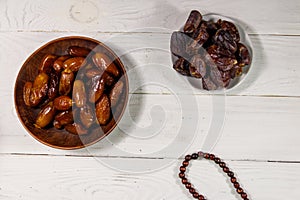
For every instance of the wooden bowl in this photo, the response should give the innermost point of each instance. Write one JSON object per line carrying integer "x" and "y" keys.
{"x": 51, "y": 136}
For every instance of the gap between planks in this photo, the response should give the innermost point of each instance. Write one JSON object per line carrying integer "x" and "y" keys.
{"x": 144, "y": 158}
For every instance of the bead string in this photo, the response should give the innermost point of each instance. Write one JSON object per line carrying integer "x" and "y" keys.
{"x": 218, "y": 161}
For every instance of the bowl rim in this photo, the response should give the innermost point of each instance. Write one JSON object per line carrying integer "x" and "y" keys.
{"x": 121, "y": 65}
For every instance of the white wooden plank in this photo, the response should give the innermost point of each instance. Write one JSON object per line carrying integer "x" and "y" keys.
{"x": 274, "y": 71}
{"x": 256, "y": 128}
{"x": 62, "y": 178}
{"x": 259, "y": 16}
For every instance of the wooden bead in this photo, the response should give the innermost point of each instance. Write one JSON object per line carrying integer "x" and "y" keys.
{"x": 201, "y": 154}
{"x": 192, "y": 190}
{"x": 194, "y": 156}
{"x": 218, "y": 161}
{"x": 239, "y": 190}
{"x": 181, "y": 175}
{"x": 206, "y": 155}
{"x": 226, "y": 169}
{"x": 222, "y": 164}
{"x": 230, "y": 174}
{"x": 184, "y": 181}
{"x": 244, "y": 195}
{"x": 187, "y": 158}
{"x": 233, "y": 179}
{"x": 196, "y": 195}
{"x": 236, "y": 185}
{"x": 188, "y": 185}
{"x": 185, "y": 163}
{"x": 182, "y": 169}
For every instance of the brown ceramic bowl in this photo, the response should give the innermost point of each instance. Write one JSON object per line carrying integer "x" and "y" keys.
{"x": 51, "y": 136}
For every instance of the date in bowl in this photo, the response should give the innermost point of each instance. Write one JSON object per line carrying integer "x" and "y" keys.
{"x": 213, "y": 51}
{"x": 71, "y": 92}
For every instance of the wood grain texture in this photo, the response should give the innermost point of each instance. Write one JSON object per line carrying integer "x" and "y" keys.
{"x": 65, "y": 178}
{"x": 259, "y": 16}
{"x": 255, "y": 128}
{"x": 274, "y": 71}
{"x": 258, "y": 138}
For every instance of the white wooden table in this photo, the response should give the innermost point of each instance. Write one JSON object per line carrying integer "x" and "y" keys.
{"x": 256, "y": 124}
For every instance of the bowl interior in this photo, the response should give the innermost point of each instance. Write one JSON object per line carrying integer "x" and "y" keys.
{"x": 52, "y": 136}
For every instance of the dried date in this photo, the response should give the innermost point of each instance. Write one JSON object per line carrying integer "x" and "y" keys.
{"x": 197, "y": 66}
{"x": 192, "y": 22}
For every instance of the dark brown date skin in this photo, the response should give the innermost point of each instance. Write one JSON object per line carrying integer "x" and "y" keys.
{"x": 39, "y": 89}
{"x": 79, "y": 94}
{"x": 53, "y": 85}
{"x": 103, "y": 110}
{"x": 63, "y": 118}
{"x": 178, "y": 44}
{"x": 87, "y": 116}
{"x": 45, "y": 116}
{"x": 225, "y": 40}
{"x": 66, "y": 82}
{"x": 93, "y": 72}
{"x": 115, "y": 93}
{"x": 192, "y": 22}
{"x": 182, "y": 66}
{"x": 199, "y": 38}
{"x": 216, "y": 77}
{"x": 201, "y": 35}
{"x": 77, "y": 51}
{"x": 76, "y": 129}
{"x": 105, "y": 64}
{"x": 236, "y": 71}
{"x": 225, "y": 77}
{"x": 62, "y": 103}
{"x": 243, "y": 55}
{"x": 47, "y": 63}
{"x": 208, "y": 84}
{"x": 58, "y": 65}
{"x": 74, "y": 64}
{"x": 97, "y": 89}
{"x": 26, "y": 93}
{"x": 197, "y": 66}
{"x": 231, "y": 28}
{"x": 225, "y": 63}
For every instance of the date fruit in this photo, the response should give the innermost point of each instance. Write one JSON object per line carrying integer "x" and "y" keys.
{"x": 77, "y": 51}
{"x": 105, "y": 64}
{"x": 209, "y": 50}
{"x": 26, "y": 93}
{"x": 87, "y": 116}
{"x": 66, "y": 82}
{"x": 63, "y": 118}
{"x": 192, "y": 22}
{"x": 58, "y": 65}
{"x": 75, "y": 92}
{"x": 45, "y": 116}
{"x": 47, "y": 63}
{"x": 79, "y": 95}
{"x": 76, "y": 129}
{"x": 39, "y": 89}
{"x": 62, "y": 103}
{"x": 103, "y": 110}
{"x": 74, "y": 63}
{"x": 115, "y": 93}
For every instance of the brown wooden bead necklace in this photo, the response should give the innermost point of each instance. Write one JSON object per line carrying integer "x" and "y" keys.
{"x": 219, "y": 162}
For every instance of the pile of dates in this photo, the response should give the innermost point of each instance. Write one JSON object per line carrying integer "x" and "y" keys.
{"x": 75, "y": 91}
{"x": 209, "y": 50}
